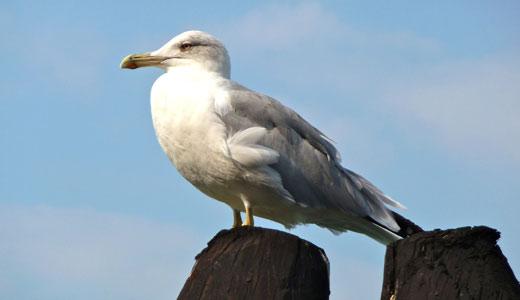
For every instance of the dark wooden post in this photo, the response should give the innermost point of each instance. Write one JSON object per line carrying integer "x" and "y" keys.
{"x": 463, "y": 263}
{"x": 258, "y": 263}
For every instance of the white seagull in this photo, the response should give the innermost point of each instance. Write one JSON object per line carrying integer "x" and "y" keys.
{"x": 250, "y": 151}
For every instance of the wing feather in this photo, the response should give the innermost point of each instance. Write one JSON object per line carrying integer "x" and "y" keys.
{"x": 306, "y": 160}
{"x": 244, "y": 148}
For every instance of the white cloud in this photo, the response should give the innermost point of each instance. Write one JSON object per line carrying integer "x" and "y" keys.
{"x": 309, "y": 25}
{"x": 110, "y": 256}
{"x": 471, "y": 107}
{"x": 282, "y": 26}
{"x": 308, "y": 49}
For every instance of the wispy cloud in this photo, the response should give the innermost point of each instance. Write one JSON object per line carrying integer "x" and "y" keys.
{"x": 308, "y": 24}
{"x": 109, "y": 256}
{"x": 281, "y": 26}
{"x": 309, "y": 49}
{"x": 471, "y": 107}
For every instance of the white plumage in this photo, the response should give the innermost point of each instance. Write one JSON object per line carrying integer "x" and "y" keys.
{"x": 251, "y": 152}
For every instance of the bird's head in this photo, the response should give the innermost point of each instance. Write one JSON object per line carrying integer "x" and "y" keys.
{"x": 188, "y": 48}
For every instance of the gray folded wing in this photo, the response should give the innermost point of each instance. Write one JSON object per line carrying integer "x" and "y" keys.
{"x": 308, "y": 164}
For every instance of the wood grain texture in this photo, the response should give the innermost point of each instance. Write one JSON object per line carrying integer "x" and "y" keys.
{"x": 258, "y": 263}
{"x": 463, "y": 263}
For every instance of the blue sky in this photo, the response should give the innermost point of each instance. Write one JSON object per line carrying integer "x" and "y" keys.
{"x": 422, "y": 99}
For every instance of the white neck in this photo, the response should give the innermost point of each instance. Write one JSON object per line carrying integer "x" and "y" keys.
{"x": 208, "y": 66}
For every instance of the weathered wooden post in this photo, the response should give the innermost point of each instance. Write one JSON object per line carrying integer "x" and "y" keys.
{"x": 463, "y": 263}
{"x": 257, "y": 263}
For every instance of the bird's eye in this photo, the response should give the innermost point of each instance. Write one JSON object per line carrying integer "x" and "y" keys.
{"x": 185, "y": 46}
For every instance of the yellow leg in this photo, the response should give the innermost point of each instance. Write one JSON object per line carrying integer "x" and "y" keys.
{"x": 237, "y": 219}
{"x": 249, "y": 217}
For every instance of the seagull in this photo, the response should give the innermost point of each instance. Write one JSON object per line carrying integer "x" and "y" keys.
{"x": 253, "y": 153}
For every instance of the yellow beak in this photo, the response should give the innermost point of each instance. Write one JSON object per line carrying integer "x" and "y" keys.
{"x": 134, "y": 61}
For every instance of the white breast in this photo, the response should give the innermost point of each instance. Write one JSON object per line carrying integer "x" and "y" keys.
{"x": 187, "y": 126}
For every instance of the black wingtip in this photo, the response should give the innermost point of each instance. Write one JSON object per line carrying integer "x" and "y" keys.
{"x": 407, "y": 227}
